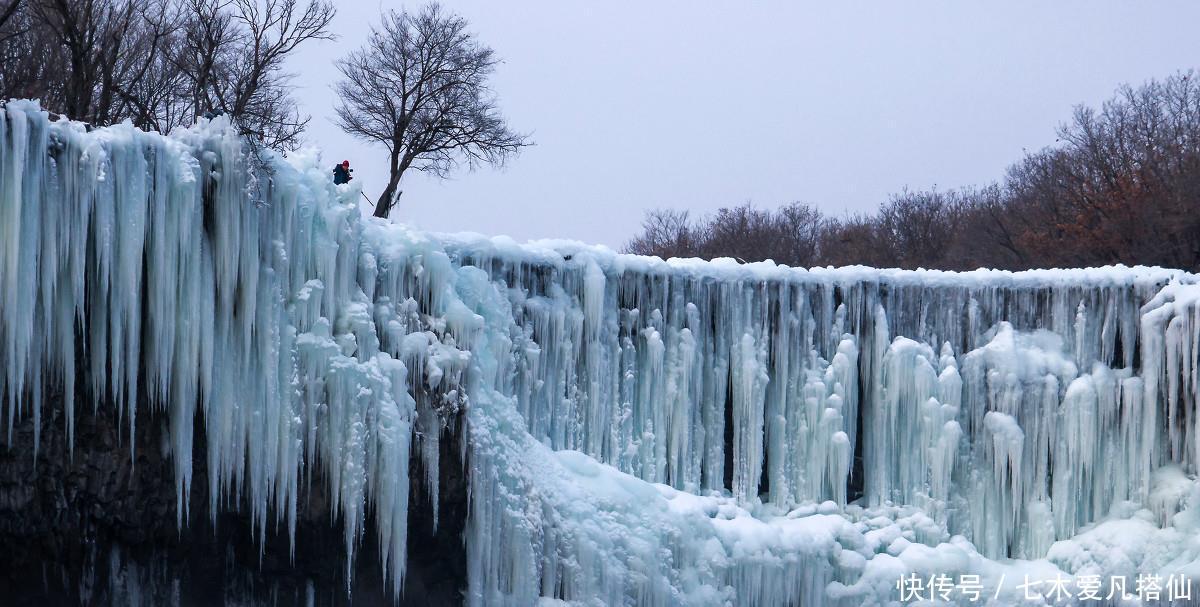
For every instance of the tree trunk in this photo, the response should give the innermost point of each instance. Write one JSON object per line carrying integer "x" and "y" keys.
{"x": 396, "y": 169}
{"x": 387, "y": 200}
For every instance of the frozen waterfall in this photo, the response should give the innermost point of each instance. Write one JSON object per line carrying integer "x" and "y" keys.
{"x": 637, "y": 432}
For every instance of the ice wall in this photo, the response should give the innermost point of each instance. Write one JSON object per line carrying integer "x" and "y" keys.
{"x": 637, "y": 431}
{"x": 236, "y": 293}
{"x": 1008, "y": 409}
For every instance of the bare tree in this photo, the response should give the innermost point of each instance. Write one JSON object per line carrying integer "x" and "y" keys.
{"x": 1121, "y": 186}
{"x": 257, "y": 93}
{"x": 746, "y": 234}
{"x": 419, "y": 87}
{"x": 100, "y": 47}
{"x": 666, "y": 233}
{"x": 232, "y": 56}
{"x": 789, "y": 235}
{"x": 801, "y": 224}
{"x": 919, "y": 227}
{"x": 27, "y": 61}
{"x": 988, "y": 232}
{"x": 855, "y": 240}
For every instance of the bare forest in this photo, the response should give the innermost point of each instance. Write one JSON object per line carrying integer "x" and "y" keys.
{"x": 1121, "y": 185}
{"x": 162, "y": 63}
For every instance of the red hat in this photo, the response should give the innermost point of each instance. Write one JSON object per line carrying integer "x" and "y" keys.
{"x": 345, "y": 163}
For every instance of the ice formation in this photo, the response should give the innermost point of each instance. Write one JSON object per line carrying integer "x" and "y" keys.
{"x": 637, "y": 431}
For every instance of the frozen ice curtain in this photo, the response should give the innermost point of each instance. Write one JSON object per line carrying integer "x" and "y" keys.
{"x": 636, "y": 431}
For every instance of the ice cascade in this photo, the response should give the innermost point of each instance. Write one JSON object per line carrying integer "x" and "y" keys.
{"x": 637, "y": 431}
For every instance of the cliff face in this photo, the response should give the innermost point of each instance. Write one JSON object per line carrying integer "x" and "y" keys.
{"x": 94, "y": 527}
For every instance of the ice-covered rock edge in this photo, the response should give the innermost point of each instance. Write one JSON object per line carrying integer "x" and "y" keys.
{"x": 624, "y": 413}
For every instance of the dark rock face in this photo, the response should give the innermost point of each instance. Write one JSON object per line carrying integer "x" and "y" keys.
{"x": 97, "y": 528}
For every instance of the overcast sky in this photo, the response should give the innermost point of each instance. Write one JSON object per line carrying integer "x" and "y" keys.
{"x": 698, "y": 105}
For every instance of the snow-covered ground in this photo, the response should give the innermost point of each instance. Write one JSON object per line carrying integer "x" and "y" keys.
{"x": 638, "y": 431}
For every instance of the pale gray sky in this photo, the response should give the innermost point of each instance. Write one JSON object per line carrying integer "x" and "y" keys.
{"x": 698, "y": 105}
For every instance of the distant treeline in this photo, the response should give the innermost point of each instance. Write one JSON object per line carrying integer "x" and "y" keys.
{"x": 1121, "y": 185}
